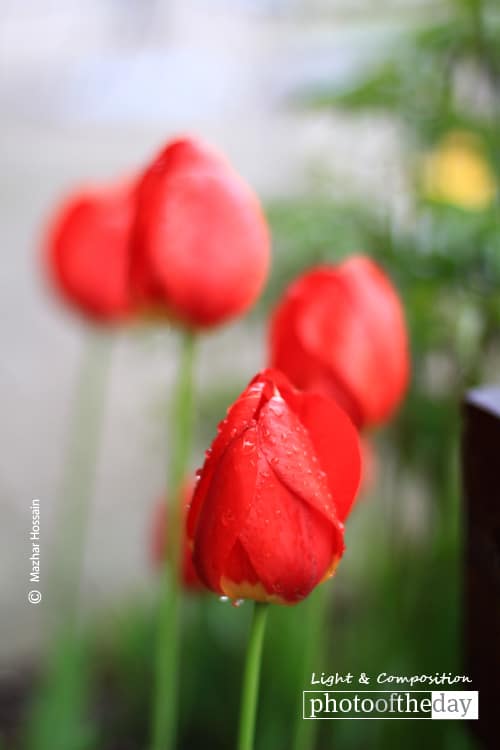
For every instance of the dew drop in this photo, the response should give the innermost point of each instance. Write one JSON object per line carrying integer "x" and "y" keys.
{"x": 247, "y": 446}
{"x": 237, "y": 602}
{"x": 223, "y": 599}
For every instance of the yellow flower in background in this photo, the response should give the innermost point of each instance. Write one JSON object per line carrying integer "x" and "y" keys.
{"x": 457, "y": 173}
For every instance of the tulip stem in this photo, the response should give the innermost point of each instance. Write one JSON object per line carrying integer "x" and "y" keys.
{"x": 61, "y": 698}
{"x": 251, "y": 676}
{"x": 164, "y": 720}
{"x": 75, "y": 496}
{"x": 313, "y": 639}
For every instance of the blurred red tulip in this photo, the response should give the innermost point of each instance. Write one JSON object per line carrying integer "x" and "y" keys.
{"x": 201, "y": 243}
{"x": 159, "y": 541}
{"x": 340, "y": 330}
{"x": 88, "y": 251}
{"x": 281, "y": 476}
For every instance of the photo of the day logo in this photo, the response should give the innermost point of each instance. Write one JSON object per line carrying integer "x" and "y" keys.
{"x": 390, "y": 704}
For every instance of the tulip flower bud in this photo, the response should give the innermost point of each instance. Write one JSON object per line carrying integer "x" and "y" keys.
{"x": 340, "y": 330}
{"x": 88, "y": 251}
{"x": 159, "y": 541}
{"x": 201, "y": 246}
{"x": 281, "y": 476}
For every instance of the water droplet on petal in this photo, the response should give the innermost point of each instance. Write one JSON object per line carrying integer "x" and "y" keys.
{"x": 237, "y": 602}
{"x": 248, "y": 446}
{"x": 223, "y": 598}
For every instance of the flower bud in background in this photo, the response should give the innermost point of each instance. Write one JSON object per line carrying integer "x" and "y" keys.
{"x": 281, "y": 477}
{"x": 159, "y": 541}
{"x": 88, "y": 251}
{"x": 201, "y": 248}
{"x": 340, "y": 330}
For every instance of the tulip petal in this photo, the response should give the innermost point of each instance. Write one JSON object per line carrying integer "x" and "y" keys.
{"x": 225, "y": 507}
{"x": 286, "y": 350}
{"x": 287, "y": 447}
{"x": 203, "y": 215}
{"x": 336, "y": 443}
{"x": 88, "y": 250}
{"x": 340, "y": 331}
{"x": 380, "y": 313}
{"x": 239, "y": 417}
{"x": 333, "y": 435}
{"x": 201, "y": 243}
{"x": 352, "y": 322}
{"x": 238, "y": 569}
{"x": 290, "y": 545}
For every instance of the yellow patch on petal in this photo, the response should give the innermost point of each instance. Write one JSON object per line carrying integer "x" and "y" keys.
{"x": 331, "y": 570}
{"x": 457, "y": 173}
{"x": 246, "y": 590}
{"x": 257, "y": 592}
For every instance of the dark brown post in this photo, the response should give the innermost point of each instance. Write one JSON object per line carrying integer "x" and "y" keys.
{"x": 481, "y": 479}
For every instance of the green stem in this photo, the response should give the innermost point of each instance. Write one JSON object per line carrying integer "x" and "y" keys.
{"x": 164, "y": 721}
{"x": 313, "y": 639}
{"x": 250, "y": 689}
{"x": 61, "y": 698}
{"x": 74, "y": 500}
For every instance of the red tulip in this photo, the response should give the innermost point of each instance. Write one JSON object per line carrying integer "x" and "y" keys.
{"x": 281, "y": 476}
{"x": 201, "y": 244}
{"x": 88, "y": 251}
{"x": 159, "y": 541}
{"x": 340, "y": 330}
